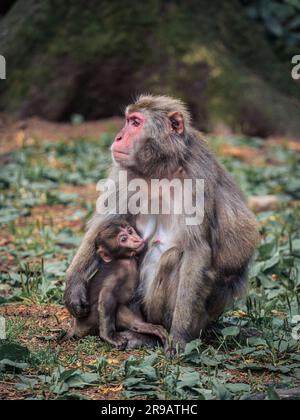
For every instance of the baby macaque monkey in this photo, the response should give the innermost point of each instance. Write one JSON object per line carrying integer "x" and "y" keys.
{"x": 112, "y": 289}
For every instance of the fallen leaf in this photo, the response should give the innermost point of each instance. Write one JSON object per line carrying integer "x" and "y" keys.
{"x": 241, "y": 152}
{"x": 264, "y": 202}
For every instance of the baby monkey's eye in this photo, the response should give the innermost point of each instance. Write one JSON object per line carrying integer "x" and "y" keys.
{"x": 123, "y": 238}
{"x": 130, "y": 231}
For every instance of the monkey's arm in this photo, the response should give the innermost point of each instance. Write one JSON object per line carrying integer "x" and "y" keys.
{"x": 82, "y": 268}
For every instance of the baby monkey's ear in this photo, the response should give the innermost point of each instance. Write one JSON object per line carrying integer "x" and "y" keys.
{"x": 103, "y": 254}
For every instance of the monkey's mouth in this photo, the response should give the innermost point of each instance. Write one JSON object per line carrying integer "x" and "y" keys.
{"x": 118, "y": 155}
{"x": 140, "y": 248}
{"x": 137, "y": 251}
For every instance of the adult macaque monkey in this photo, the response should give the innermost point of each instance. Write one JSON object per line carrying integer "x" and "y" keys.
{"x": 189, "y": 273}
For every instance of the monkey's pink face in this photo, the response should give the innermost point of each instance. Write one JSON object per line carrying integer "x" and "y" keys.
{"x": 129, "y": 239}
{"x": 123, "y": 143}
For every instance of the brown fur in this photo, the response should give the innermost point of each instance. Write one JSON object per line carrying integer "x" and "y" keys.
{"x": 213, "y": 257}
{"x": 110, "y": 292}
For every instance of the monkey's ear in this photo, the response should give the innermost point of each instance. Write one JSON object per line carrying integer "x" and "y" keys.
{"x": 176, "y": 120}
{"x": 104, "y": 255}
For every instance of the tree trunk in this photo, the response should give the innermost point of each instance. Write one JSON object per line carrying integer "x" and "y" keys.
{"x": 92, "y": 57}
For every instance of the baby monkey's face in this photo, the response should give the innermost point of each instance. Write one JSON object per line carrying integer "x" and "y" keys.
{"x": 118, "y": 241}
{"x": 129, "y": 240}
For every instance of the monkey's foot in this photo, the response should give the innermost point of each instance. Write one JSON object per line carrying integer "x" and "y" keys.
{"x": 174, "y": 347}
{"x": 137, "y": 340}
{"x": 118, "y": 340}
{"x": 64, "y": 336}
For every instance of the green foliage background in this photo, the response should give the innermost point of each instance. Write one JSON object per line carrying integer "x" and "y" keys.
{"x": 231, "y": 62}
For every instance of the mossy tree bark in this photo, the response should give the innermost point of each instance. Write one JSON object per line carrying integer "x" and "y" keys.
{"x": 93, "y": 57}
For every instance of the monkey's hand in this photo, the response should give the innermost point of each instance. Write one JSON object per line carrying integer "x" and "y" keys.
{"x": 160, "y": 332}
{"x": 76, "y": 299}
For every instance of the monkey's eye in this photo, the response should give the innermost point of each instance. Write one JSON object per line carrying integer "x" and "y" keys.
{"x": 130, "y": 231}
{"x": 123, "y": 238}
{"x": 135, "y": 123}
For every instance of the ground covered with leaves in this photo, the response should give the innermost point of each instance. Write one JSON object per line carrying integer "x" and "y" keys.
{"x": 48, "y": 192}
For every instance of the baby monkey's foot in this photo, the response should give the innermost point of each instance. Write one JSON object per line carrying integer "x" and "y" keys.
{"x": 118, "y": 340}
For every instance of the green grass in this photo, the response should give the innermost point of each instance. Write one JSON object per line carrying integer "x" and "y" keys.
{"x": 251, "y": 350}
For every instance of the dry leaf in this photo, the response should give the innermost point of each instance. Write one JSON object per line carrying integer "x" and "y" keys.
{"x": 264, "y": 202}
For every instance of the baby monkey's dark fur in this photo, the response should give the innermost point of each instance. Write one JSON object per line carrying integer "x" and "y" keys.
{"x": 112, "y": 288}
